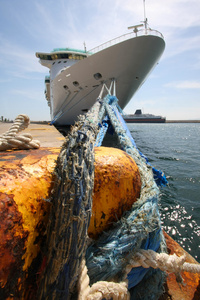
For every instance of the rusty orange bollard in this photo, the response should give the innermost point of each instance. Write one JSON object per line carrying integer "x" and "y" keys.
{"x": 25, "y": 181}
{"x": 117, "y": 186}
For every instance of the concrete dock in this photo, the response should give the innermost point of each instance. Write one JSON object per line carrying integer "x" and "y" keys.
{"x": 48, "y": 135}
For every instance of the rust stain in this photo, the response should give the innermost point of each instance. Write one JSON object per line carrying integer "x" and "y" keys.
{"x": 117, "y": 186}
{"x": 12, "y": 242}
{"x": 25, "y": 181}
{"x": 191, "y": 288}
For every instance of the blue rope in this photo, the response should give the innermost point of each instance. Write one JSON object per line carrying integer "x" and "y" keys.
{"x": 159, "y": 176}
{"x": 108, "y": 256}
{"x": 139, "y": 228}
{"x": 103, "y": 129}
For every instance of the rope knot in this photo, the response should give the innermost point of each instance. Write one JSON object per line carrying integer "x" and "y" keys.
{"x": 9, "y": 140}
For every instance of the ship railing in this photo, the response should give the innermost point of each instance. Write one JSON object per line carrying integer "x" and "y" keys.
{"x": 124, "y": 37}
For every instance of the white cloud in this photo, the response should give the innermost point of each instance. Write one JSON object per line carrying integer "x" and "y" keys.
{"x": 170, "y": 13}
{"x": 184, "y": 84}
{"x": 17, "y": 59}
{"x": 178, "y": 20}
{"x": 181, "y": 44}
{"x": 32, "y": 94}
{"x": 47, "y": 24}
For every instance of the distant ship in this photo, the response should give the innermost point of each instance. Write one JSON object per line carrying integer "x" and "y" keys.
{"x": 76, "y": 76}
{"x": 139, "y": 117}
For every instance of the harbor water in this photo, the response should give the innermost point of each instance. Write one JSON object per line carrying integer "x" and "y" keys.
{"x": 174, "y": 148}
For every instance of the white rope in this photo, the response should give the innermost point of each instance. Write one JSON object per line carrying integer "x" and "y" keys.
{"x": 101, "y": 289}
{"x": 109, "y": 290}
{"x": 9, "y": 140}
{"x": 145, "y": 258}
{"x": 83, "y": 282}
{"x": 163, "y": 261}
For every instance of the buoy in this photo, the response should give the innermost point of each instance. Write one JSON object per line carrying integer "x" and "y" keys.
{"x": 117, "y": 186}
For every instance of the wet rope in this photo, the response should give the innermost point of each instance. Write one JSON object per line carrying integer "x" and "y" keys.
{"x": 9, "y": 140}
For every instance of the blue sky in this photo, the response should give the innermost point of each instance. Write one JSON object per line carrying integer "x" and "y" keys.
{"x": 27, "y": 26}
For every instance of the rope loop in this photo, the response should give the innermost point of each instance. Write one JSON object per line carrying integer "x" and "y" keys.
{"x": 9, "y": 140}
{"x": 101, "y": 289}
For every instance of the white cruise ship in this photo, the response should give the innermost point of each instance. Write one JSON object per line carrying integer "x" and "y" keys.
{"x": 76, "y": 76}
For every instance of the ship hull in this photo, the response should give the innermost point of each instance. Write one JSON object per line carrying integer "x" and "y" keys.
{"x": 145, "y": 120}
{"x": 74, "y": 90}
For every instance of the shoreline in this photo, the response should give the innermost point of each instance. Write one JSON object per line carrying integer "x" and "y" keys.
{"x": 182, "y": 121}
{"x": 167, "y": 121}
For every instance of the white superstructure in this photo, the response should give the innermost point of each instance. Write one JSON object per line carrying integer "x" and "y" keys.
{"x": 76, "y": 76}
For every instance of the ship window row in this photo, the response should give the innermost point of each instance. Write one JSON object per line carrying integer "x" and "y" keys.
{"x": 62, "y": 56}
{"x": 97, "y": 76}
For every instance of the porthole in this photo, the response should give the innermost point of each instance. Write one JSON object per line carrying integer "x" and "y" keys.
{"x": 136, "y": 77}
{"x": 75, "y": 83}
{"x": 65, "y": 87}
{"x": 97, "y": 76}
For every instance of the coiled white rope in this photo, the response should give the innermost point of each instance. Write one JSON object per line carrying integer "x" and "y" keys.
{"x": 101, "y": 289}
{"x": 145, "y": 258}
{"x": 9, "y": 140}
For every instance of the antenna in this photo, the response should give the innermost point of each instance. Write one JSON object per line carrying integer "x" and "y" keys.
{"x": 84, "y": 44}
{"x": 145, "y": 18}
{"x": 135, "y": 28}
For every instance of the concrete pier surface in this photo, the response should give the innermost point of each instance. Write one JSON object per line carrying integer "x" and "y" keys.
{"x": 48, "y": 135}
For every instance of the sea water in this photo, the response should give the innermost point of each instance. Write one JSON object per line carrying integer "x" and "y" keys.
{"x": 174, "y": 148}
